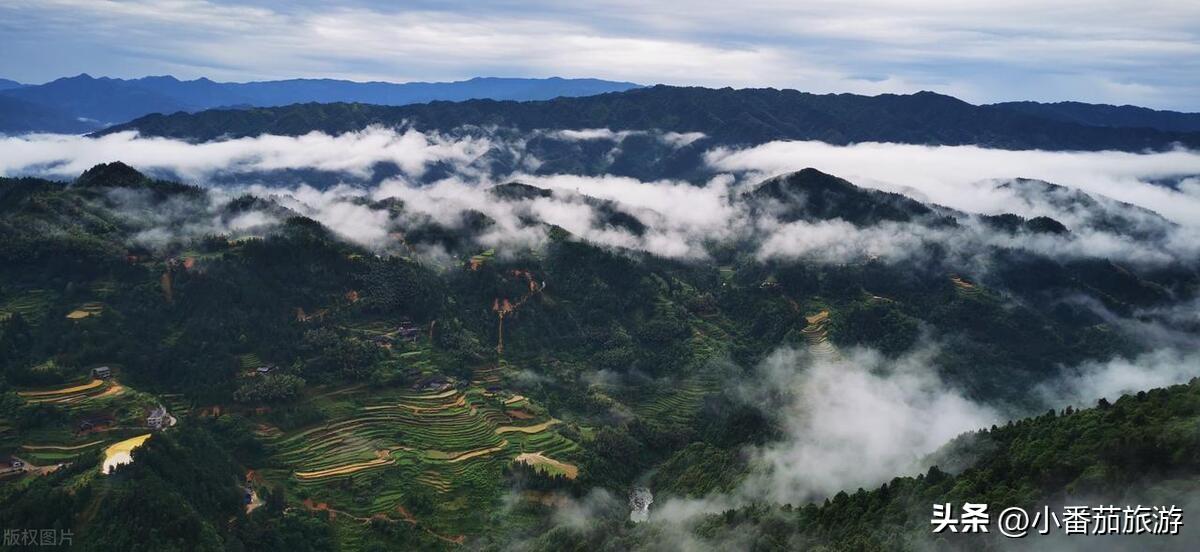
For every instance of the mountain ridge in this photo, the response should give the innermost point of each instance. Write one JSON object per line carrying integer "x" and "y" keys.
{"x": 106, "y": 100}
{"x": 726, "y": 116}
{"x": 1122, "y": 116}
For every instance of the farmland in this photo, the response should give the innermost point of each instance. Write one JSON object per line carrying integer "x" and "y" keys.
{"x": 91, "y": 414}
{"x": 92, "y": 308}
{"x": 405, "y": 445}
{"x": 31, "y": 304}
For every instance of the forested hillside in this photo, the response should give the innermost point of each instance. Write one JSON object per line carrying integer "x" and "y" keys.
{"x": 727, "y": 116}
{"x": 1143, "y": 447}
{"x": 466, "y": 379}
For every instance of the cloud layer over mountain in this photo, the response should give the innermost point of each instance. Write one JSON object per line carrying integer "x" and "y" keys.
{"x": 679, "y": 218}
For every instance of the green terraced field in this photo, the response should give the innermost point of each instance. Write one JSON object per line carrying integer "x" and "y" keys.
{"x": 249, "y": 361}
{"x": 76, "y": 400}
{"x": 370, "y": 458}
{"x": 31, "y": 304}
{"x": 679, "y": 404}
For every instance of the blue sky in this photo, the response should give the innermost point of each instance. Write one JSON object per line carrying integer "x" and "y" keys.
{"x": 1144, "y": 52}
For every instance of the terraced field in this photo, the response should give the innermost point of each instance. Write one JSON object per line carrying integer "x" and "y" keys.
{"x": 489, "y": 375}
{"x": 681, "y": 403}
{"x": 176, "y": 404}
{"x": 548, "y": 465}
{"x": 375, "y": 328}
{"x": 816, "y": 334}
{"x": 249, "y": 362}
{"x": 44, "y": 455}
{"x": 57, "y": 394}
{"x": 383, "y": 458}
{"x": 103, "y": 288}
{"x": 81, "y": 397}
{"x": 477, "y": 261}
{"x": 31, "y": 304}
{"x": 79, "y": 400}
{"x": 964, "y": 288}
{"x": 529, "y": 429}
{"x": 93, "y": 308}
{"x": 450, "y": 443}
{"x": 75, "y": 397}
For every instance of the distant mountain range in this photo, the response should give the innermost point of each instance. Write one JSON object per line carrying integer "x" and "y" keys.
{"x": 202, "y": 109}
{"x": 1109, "y": 115}
{"x": 725, "y": 116}
{"x": 87, "y": 103}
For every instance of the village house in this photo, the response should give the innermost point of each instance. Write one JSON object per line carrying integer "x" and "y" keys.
{"x": 94, "y": 422}
{"x": 408, "y": 331}
{"x": 158, "y": 417}
{"x": 265, "y": 369}
{"x": 434, "y": 384}
{"x": 102, "y": 372}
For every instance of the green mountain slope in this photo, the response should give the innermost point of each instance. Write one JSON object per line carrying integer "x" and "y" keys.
{"x": 438, "y": 389}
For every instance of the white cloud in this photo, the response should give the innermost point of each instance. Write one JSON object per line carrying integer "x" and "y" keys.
{"x": 1081, "y": 386}
{"x": 353, "y": 152}
{"x": 854, "y": 422}
{"x": 590, "y": 134}
{"x": 961, "y": 176}
{"x": 680, "y": 218}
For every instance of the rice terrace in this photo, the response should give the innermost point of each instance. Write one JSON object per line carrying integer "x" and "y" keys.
{"x": 380, "y": 448}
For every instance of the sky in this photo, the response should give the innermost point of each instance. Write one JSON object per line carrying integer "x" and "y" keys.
{"x": 1143, "y": 52}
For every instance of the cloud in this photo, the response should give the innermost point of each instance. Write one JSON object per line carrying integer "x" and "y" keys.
{"x": 338, "y": 209}
{"x": 680, "y": 218}
{"x": 1114, "y": 51}
{"x": 1081, "y": 386}
{"x": 853, "y": 422}
{"x": 858, "y": 420}
{"x": 963, "y": 177}
{"x": 673, "y": 139}
{"x": 846, "y": 422}
{"x": 354, "y": 153}
{"x": 837, "y": 241}
{"x": 579, "y": 513}
{"x": 591, "y": 134}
